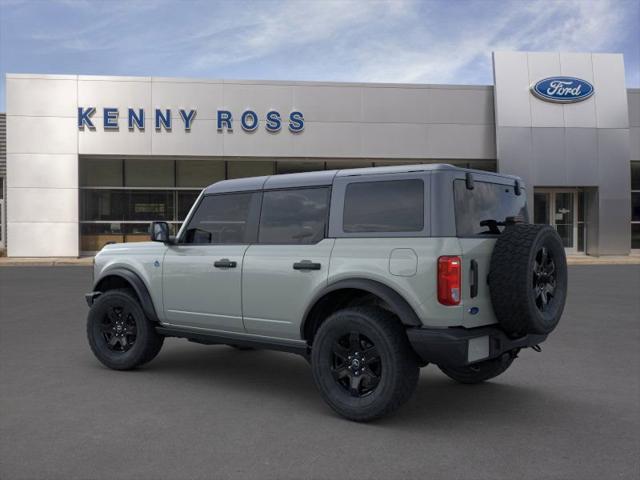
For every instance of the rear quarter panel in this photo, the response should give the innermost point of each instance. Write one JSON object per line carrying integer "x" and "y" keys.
{"x": 370, "y": 258}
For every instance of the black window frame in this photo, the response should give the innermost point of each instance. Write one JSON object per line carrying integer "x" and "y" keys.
{"x": 325, "y": 231}
{"x": 252, "y": 221}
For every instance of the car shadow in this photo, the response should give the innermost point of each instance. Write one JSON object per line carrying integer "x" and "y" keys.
{"x": 437, "y": 403}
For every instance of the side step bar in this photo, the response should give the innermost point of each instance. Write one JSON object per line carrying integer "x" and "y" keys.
{"x": 210, "y": 338}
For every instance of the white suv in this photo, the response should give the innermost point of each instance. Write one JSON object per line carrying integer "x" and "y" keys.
{"x": 369, "y": 273}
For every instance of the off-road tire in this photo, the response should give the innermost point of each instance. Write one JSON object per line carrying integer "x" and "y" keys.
{"x": 514, "y": 276}
{"x": 479, "y": 372}
{"x": 144, "y": 347}
{"x": 398, "y": 365}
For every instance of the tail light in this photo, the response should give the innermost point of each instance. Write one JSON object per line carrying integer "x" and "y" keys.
{"x": 449, "y": 280}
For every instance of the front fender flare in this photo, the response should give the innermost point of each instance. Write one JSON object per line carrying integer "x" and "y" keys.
{"x": 136, "y": 283}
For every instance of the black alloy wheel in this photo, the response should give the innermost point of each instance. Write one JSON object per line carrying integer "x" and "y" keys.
{"x": 362, "y": 363}
{"x": 119, "y": 328}
{"x": 119, "y": 333}
{"x": 544, "y": 281}
{"x": 356, "y": 364}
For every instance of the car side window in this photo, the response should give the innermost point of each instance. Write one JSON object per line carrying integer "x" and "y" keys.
{"x": 294, "y": 216}
{"x": 384, "y": 206}
{"x": 224, "y": 219}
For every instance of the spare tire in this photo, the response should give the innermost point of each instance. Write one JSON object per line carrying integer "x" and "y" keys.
{"x": 528, "y": 279}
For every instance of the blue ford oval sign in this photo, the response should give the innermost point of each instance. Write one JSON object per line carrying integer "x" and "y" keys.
{"x": 562, "y": 89}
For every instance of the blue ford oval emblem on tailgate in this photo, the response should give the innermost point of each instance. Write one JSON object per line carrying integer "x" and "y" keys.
{"x": 562, "y": 89}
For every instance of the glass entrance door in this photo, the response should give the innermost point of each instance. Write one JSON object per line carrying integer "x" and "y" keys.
{"x": 564, "y": 218}
{"x": 558, "y": 208}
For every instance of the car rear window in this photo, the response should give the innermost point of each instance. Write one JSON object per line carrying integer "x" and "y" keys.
{"x": 486, "y": 202}
{"x": 384, "y": 206}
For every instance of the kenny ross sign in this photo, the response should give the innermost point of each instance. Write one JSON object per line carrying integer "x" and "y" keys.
{"x": 162, "y": 119}
{"x": 562, "y": 89}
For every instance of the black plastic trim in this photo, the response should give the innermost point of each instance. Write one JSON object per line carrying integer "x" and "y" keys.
{"x": 138, "y": 286}
{"x": 395, "y": 301}
{"x": 449, "y": 346}
{"x": 469, "y": 181}
{"x": 208, "y": 338}
{"x": 474, "y": 279}
{"x": 307, "y": 265}
{"x": 91, "y": 297}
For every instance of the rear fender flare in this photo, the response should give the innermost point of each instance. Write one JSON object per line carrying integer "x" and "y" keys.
{"x": 396, "y": 302}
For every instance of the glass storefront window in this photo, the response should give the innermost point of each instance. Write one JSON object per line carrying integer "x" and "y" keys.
{"x": 635, "y": 175}
{"x": 150, "y": 205}
{"x": 149, "y": 173}
{"x": 100, "y": 205}
{"x": 541, "y": 208}
{"x": 635, "y": 235}
{"x": 102, "y": 172}
{"x": 347, "y": 164}
{"x": 94, "y": 236}
{"x": 635, "y": 206}
{"x": 185, "y": 202}
{"x": 297, "y": 166}
{"x": 120, "y": 197}
{"x": 198, "y": 173}
{"x": 240, "y": 169}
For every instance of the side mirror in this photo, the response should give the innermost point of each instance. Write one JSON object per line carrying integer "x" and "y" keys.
{"x": 159, "y": 232}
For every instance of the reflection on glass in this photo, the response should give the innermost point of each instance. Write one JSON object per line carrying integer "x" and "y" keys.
{"x": 296, "y": 216}
{"x": 563, "y": 217}
{"x": 635, "y": 235}
{"x": 541, "y": 208}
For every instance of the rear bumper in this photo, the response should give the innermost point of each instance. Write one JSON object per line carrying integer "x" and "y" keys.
{"x": 456, "y": 347}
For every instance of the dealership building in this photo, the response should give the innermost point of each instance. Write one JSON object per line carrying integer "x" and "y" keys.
{"x": 92, "y": 159}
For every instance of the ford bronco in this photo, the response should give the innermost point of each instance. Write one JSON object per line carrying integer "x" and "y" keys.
{"x": 369, "y": 273}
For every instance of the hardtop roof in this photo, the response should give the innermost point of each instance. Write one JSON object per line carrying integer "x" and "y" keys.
{"x": 326, "y": 177}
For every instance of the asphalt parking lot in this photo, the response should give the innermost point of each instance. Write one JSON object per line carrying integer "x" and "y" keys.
{"x": 571, "y": 412}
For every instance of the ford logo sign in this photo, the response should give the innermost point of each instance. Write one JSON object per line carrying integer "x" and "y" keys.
{"x": 562, "y": 89}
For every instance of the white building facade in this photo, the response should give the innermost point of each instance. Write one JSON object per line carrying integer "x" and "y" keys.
{"x": 92, "y": 160}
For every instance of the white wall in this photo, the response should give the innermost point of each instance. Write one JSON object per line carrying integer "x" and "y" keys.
{"x": 42, "y": 166}
{"x": 342, "y": 120}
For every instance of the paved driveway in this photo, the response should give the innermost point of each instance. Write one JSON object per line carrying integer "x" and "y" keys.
{"x": 571, "y": 412}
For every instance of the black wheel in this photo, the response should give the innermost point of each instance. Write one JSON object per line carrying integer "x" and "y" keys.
{"x": 528, "y": 279}
{"x": 479, "y": 372}
{"x": 363, "y": 364}
{"x": 119, "y": 333}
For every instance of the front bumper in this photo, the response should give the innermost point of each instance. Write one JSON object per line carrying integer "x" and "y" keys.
{"x": 457, "y": 346}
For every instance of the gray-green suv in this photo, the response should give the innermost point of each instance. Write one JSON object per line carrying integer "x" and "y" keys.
{"x": 368, "y": 273}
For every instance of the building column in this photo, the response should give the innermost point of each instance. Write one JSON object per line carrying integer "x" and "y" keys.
{"x": 42, "y": 166}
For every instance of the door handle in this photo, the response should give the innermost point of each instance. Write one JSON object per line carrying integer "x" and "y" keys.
{"x": 224, "y": 263}
{"x": 306, "y": 265}
{"x": 474, "y": 279}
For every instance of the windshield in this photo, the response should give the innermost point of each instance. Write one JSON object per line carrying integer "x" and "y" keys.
{"x": 483, "y": 210}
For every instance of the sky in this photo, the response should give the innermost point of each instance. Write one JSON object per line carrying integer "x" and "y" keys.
{"x": 403, "y": 41}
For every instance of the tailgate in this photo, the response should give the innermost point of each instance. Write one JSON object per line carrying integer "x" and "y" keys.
{"x": 476, "y": 300}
